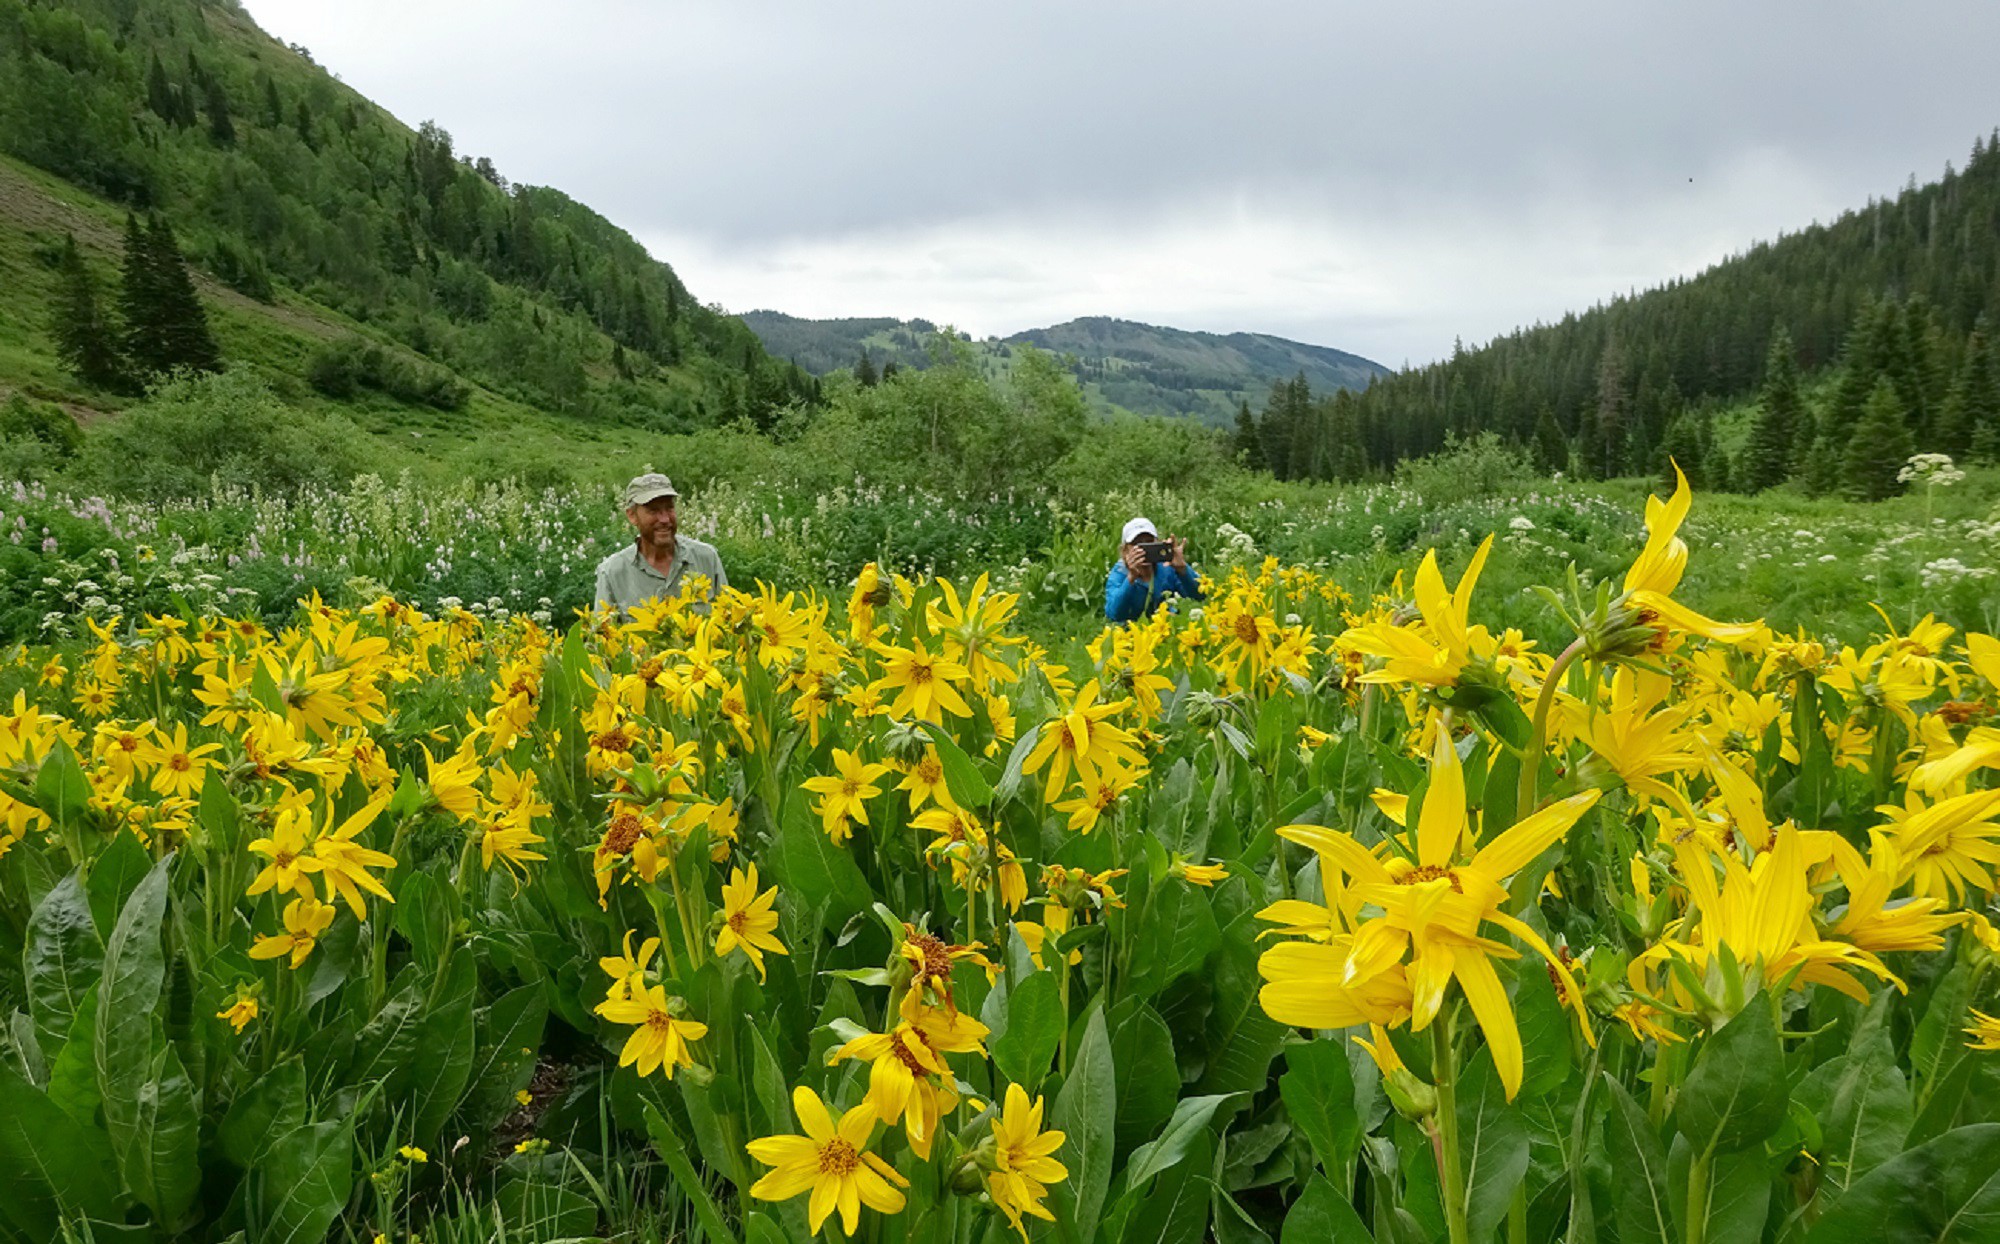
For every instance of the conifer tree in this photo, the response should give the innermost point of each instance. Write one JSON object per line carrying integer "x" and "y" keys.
{"x": 1681, "y": 446}
{"x": 1974, "y": 401}
{"x": 864, "y": 371}
{"x": 86, "y": 341}
{"x": 1244, "y": 443}
{"x": 220, "y": 127}
{"x": 1551, "y": 448}
{"x": 274, "y": 108}
{"x": 138, "y": 302}
{"x": 1774, "y": 432}
{"x": 1877, "y": 447}
{"x": 165, "y": 326}
{"x": 160, "y": 97}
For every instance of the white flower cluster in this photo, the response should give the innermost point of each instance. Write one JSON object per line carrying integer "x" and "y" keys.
{"x": 1930, "y": 470}
{"x": 1946, "y": 571}
{"x": 1234, "y": 546}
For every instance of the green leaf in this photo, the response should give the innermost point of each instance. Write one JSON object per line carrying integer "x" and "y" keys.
{"x": 302, "y": 1181}
{"x": 1323, "y": 1216}
{"x": 1232, "y": 1225}
{"x": 1545, "y": 1026}
{"x": 220, "y": 818}
{"x": 1191, "y": 1119}
{"x": 61, "y": 790}
{"x": 1739, "y": 1201}
{"x": 510, "y": 1034}
{"x": 149, "y": 1107}
{"x": 1945, "y": 1191}
{"x": 1175, "y": 1209}
{"x": 1034, "y": 1028}
{"x": 1086, "y": 1112}
{"x": 55, "y": 1166}
{"x": 73, "y": 1075}
{"x": 961, "y": 776}
{"x": 423, "y": 917}
{"x": 1318, "y": 1088}
{"x": 1736, "y": 1094}
{"x": 273, "y": 1106}
{"x": 1869, "y": 1110}
{"x": 1148, "y": 1077}
{"x": 1642, "y": 1210}
{"x": 64, "y": 958}
{"x": 1493, "y": 1139}
{"x": 112, "y": 876}
{"x": 821, "y": 874}
{"x": 534, "y": 1210}
{"x": 1938, "y": 1044}
{"x": 443, "y": 1064}
{"x": 673, "y": 1152}
{"x": 1176, "y": 935}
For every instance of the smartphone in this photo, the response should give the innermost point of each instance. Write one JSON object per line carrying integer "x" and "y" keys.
{"x": 1159, "y": 552}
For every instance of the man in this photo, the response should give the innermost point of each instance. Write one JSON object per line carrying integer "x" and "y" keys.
{"x": 1137, "y": 584}
{"x": 660, "y": 559}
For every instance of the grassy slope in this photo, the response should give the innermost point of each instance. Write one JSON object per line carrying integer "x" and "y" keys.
{"x": 490, "y": 435}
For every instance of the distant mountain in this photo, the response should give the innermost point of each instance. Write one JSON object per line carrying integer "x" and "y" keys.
{"x": 1122, "y": 365}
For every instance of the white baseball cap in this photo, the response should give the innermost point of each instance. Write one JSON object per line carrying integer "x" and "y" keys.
{"x": 1136, "y": 528}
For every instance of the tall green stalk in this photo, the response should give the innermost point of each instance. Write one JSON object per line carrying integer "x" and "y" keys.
{"x": 1451, "y": 1165}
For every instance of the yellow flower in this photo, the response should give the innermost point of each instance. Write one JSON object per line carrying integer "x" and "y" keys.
{"x": 1657, "y": 571}
{"x": 832, "y": 1162}
{"x": 1197, "y": 874}
{"x": 748, "y": 923}
{"x": 661, "y": 1038}
{"x": 925, "y": 781}
{"x": 1984, "y": 1031}
{"x": 627, "y": 970}
{"x": 181, "y": 767}
{"x": 1023, "y": 1167}
{"x": 305, "y": 919}
{"x": 344, "y": 863}
{"x": 922, "y": 681}
{"x": 507, "y": 839}
{"x": 1097, "y": 795}
{"x": 1409, "y": 655}
{"x": 1432, "y": 909}
{"x": 452, "y": 781}
{"x": 522, "y": 1097}
{"x": 1951, "y": 846}
{"x": 845, "y": 793}
{"x": 242, "y": 1010}
{"x": 286, "y": 848}
{"x": 908, "y": 1079}
{"x": 410, "y": 1153}
{"x": 1081, "y": 736}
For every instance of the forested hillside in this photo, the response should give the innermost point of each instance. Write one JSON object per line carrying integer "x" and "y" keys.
{"x": 361, "y": 253}
{"x": 1899, "y": 295}
{"x": 1143, "y": 369}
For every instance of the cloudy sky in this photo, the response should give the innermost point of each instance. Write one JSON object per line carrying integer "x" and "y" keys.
{"x": 1380, "y": 177}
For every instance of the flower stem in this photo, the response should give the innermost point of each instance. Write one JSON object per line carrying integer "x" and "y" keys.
{"x": 1451, "y": 1167}
{"x": 1700, "y": 1168}
{"x": 1538, "y": 741}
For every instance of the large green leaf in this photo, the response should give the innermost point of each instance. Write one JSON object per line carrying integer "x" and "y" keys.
{"x": 821, "y": 874}
{"x": 1176, "y": 935}
{"x": 1945, "y": 1191}
{"x": 1034, "y": 1028}
{"x": 1086, "y": 1112}
{"x": 424, "y": 916}
{"x": 1149, "y": 1079}
{"x": 61, "y": 789}
{"x": 510, "y": 1035}
{"x": 1736, "y": 1094}
{"x": 1493, "y": 1143}
{"x": 63, "y": 959}
{"x": 114, "y": 874}
{"x": 387, "y": 1044}
{"x": 1175, "y": 1209}
{"x": 273, "y": 1106}
{"x": 1642, "y": 1206}
{"x": 1318, "y": 1088}
{"x": 148, "y": 1100}
{"x": 968, "y": 787}
{"x": 1323, "y": 1216}
{"x": 1867, "y": 1109}
{"x": 302, "y": 1182}
{"x": 443, "y": 1065}
{"x": 1191, "y": 1120}
{"x": 55, "y": 1166}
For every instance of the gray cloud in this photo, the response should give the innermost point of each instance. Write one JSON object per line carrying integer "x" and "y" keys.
{"x": 1379, "y": 177}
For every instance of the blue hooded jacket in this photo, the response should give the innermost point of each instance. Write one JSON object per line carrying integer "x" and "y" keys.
{"x": 1126, "y": 598}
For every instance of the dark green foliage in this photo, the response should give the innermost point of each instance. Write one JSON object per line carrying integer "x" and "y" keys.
{"x": 165, "y": 326}
{"x": 49, "y": 425}
{"x": 220, "y": 128}
{"x": 1877, "y": 446}
{"x": 1244, "y": 443}
{"x": 1774, "y": 433}
{"x": 86, "y": 340}
{"x": 1550, "y": 448}
{"x": 230, "y": 427}
{"x": 343, "y": 369}
{"x": 1970, "y": 417}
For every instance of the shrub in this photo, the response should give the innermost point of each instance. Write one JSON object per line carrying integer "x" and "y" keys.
{"x": 229, "y": 427}
{"x": 342, "y": 369}
{"x": 45, "y": 423}
{"x": 1478, "y": 467}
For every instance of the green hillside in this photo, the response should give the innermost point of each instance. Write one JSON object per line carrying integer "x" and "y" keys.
{"x": 319, "y": 226}
{"x": 1121, "y": 364}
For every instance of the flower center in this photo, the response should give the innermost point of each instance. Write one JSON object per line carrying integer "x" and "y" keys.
{"x": 837, "y": 1157}
{"x": 1247, "y": 630}
{"x": 625, "y": 831}
{"x": 1430, "y": 872}
{"x": 920, "y": 673}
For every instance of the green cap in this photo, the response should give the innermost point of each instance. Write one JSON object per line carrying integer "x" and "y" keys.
{"x": 648, "y": 487}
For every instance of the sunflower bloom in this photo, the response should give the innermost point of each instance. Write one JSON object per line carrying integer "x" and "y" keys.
{"x": 1023, "y": 1165}
{"x": 180, "y": 767}
{"x": 908, "y": 1080}
{"x": 748, "y": 923}
{"x": 845, "y": 793}
{"x": 305, "y": 919}
{"x": 923, "y": 682}
{"x": 661, "y": 1038}
{"x": 831, "y": 1161}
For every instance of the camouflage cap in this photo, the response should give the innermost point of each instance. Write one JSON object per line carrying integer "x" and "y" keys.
{"x": 648, "y": 487}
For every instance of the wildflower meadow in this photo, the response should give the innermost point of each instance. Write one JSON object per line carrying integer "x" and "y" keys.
{"x": 1496, "y": 893}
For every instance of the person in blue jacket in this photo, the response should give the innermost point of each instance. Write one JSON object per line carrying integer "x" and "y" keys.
{"x": 1136, "y": 585}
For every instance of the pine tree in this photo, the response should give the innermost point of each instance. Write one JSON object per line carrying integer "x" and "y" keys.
{"x": 864, "y": 371}
{"x": 1681, "y": 447}
{"x": 220, "y": 127}
{"x": 1551, "y": 450}
{"x": 165, "y": 326}
{"x": 1604, "y": 446}
{"x": 1974, "y": 401}
{"x": 86, "y": 342}
{"x": 138, "y": 305}
{"x": 619, "y": 363}
{"x": 160, "y": 96}
{"x": 1877, "y": 447}
{"x": 1767, "y": 456}
{"x": 1244, "y": 443}
{"x": 274, "y": 108}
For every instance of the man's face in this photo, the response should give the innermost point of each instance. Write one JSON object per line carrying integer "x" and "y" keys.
{"x": 655, "y": 521}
